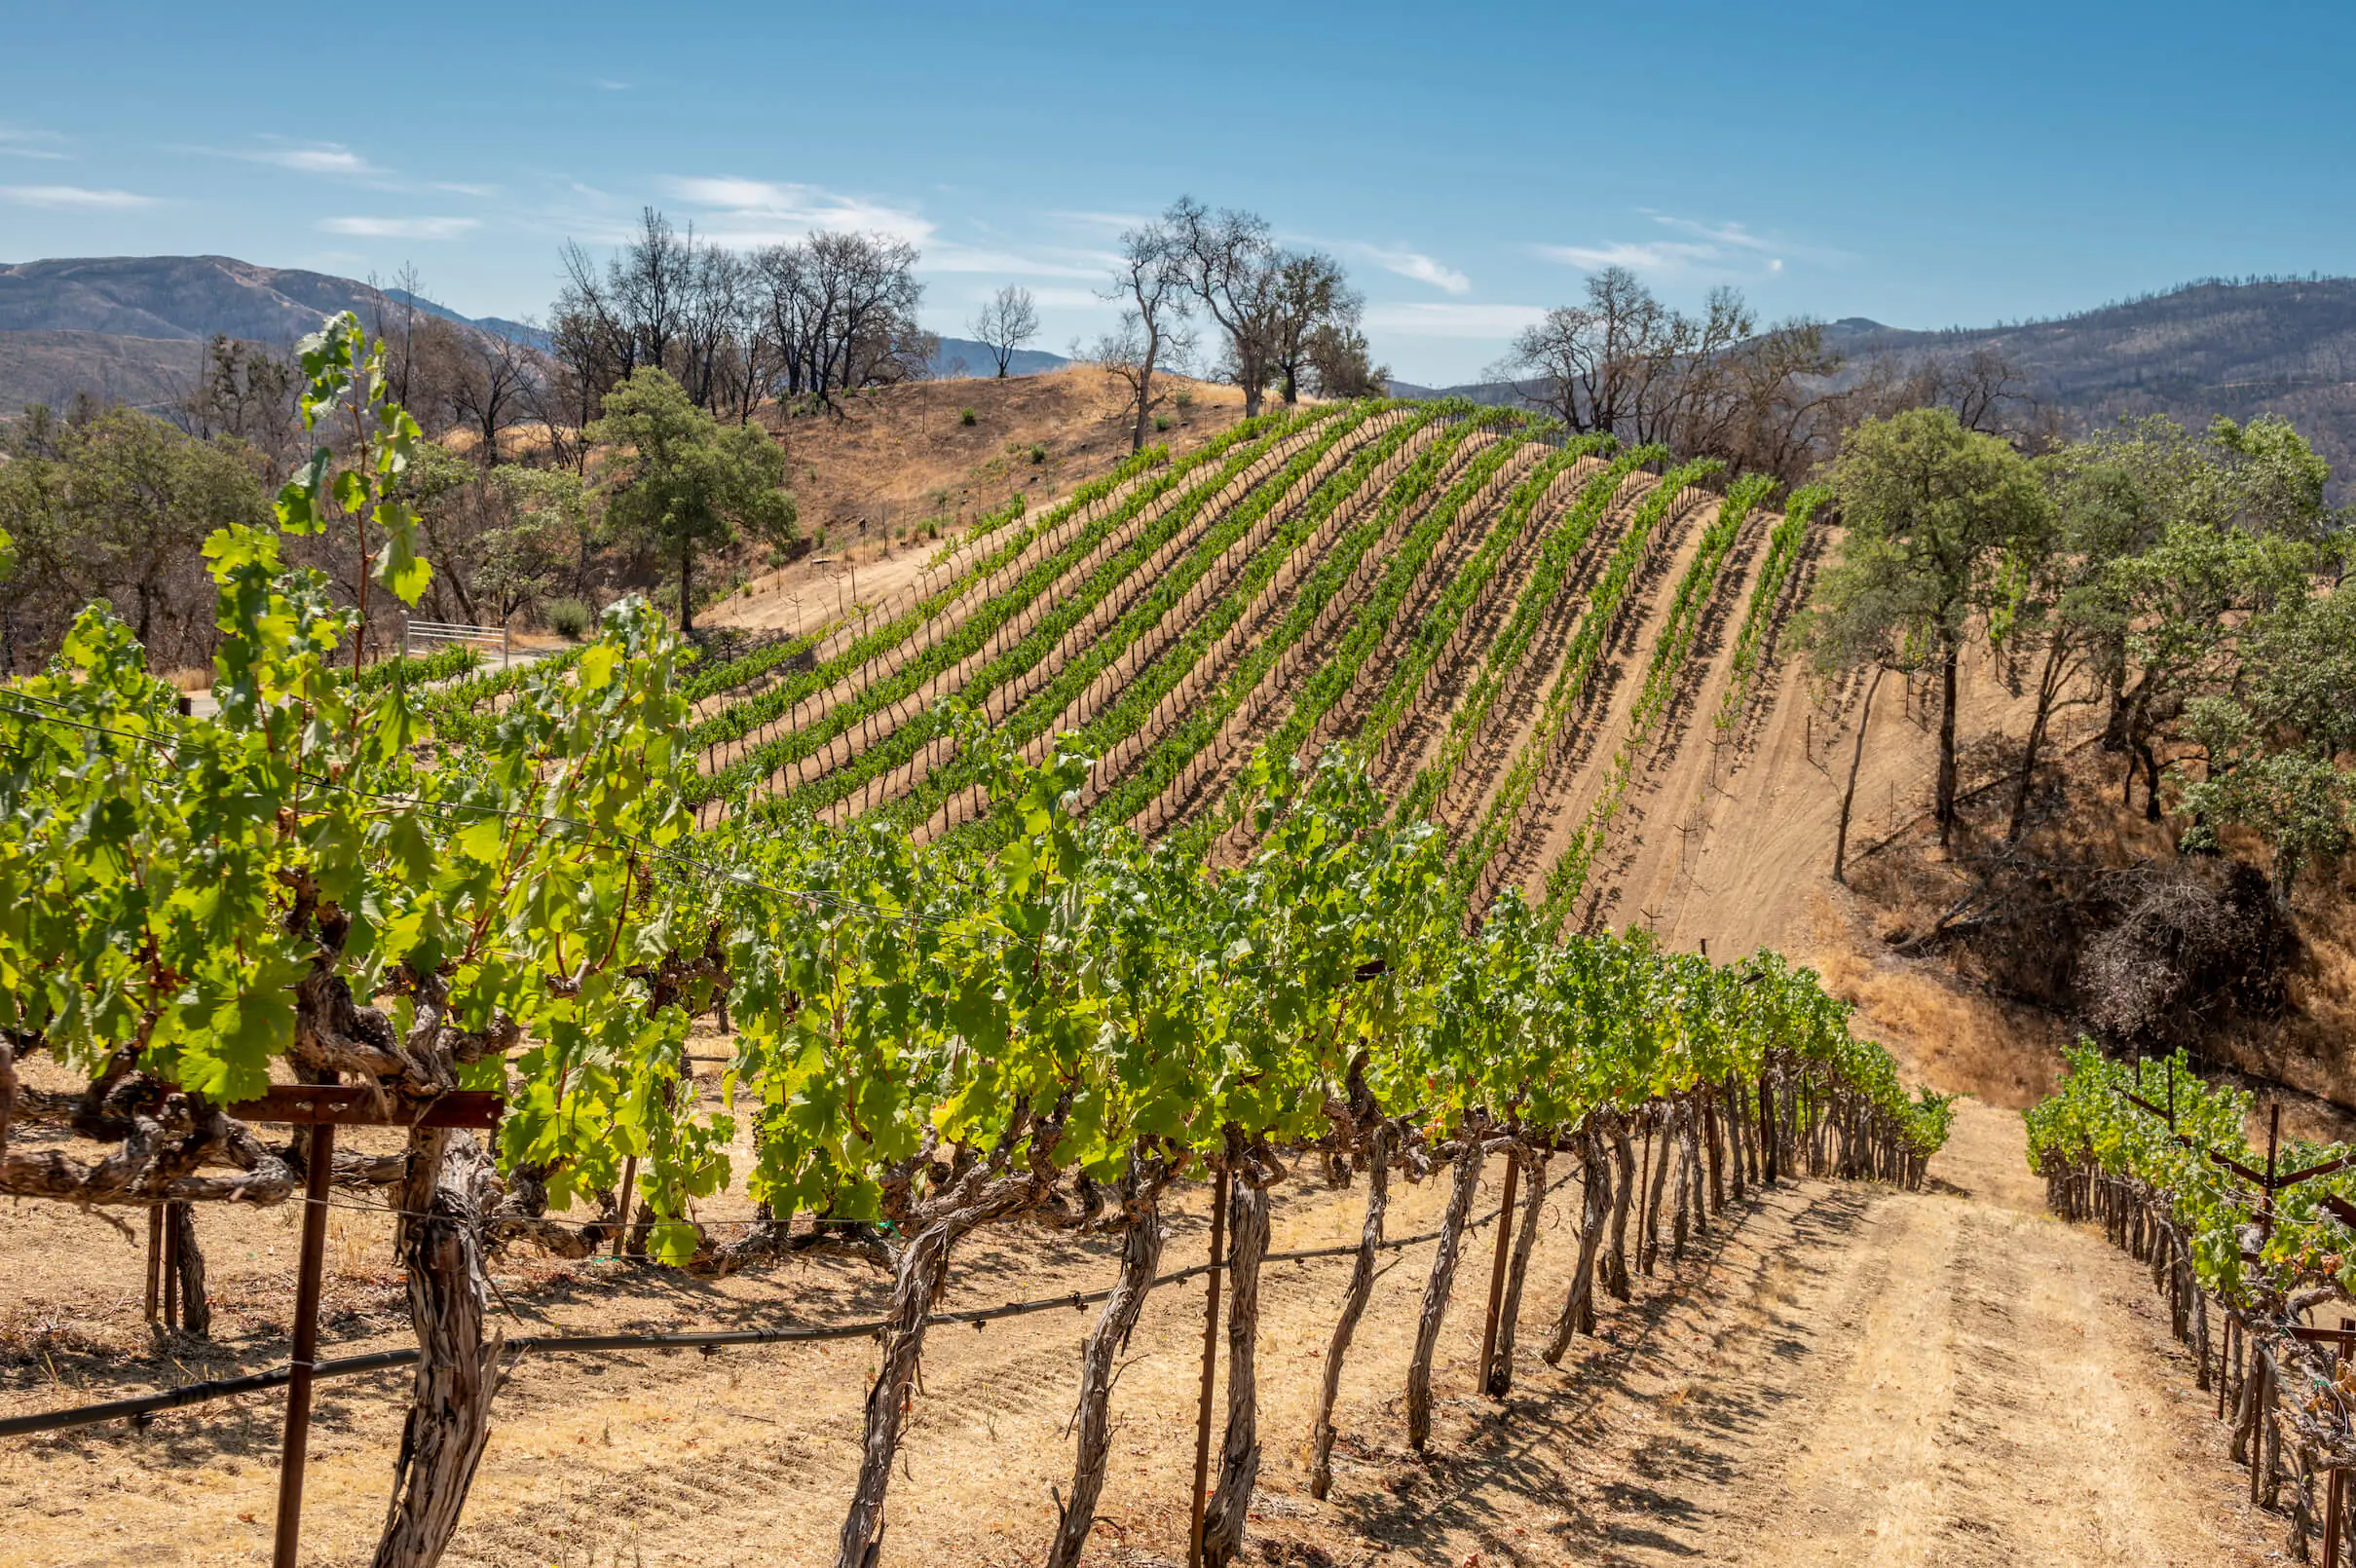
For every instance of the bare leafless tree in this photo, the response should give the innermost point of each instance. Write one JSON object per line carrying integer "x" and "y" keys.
{"x": 1589, "y": 364}
{"x": 1232, "y": 268}
{"x": 1149, "y": 283}
{"x": 1006, "y": 320}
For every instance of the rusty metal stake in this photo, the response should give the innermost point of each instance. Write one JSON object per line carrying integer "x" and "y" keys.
{"x": 1505, "y": 1243}
{"x": 319, "y": 1168}
{"x": 155, "y": 1261}
{"x": 1202, "y": 1424}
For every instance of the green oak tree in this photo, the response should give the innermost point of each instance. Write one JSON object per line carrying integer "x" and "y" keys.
{"x": 682, "y": 481}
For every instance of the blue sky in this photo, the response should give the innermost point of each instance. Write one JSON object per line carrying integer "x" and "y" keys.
{"x": 1923, "y": 165}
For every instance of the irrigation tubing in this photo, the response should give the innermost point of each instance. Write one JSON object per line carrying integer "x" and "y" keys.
{"x": 149, "y": 1405}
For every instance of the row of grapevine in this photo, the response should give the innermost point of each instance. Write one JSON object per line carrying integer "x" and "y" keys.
{"x": 1372, "y": 565}
{"x": 1505, "y": 660}
{"x": 1064, "y": 629}
{"x": 1439, "y": 635}
{"x": 1135, "y": 621}
{"x": 1664, "y": 668}
{"x": 1767, "y": 607}
{"x": 1482, "y": 863}
{"x": 2163, "y": 1161}
{"x": 861, "y": 653}
{"x": 1135, "y": 697}
{"x": 997, "y": 625}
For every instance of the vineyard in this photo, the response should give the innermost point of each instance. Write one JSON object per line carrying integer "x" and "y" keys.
{"x": 1257, "y": 825}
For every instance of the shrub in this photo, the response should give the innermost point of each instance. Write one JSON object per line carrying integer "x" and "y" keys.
{"x": 1161, "y": 422}
{"x": 571, "y": 618}
{"x": 1039, "y": 453}
{"x": 965, "y": 416}
{"x": 1184, "y": 401}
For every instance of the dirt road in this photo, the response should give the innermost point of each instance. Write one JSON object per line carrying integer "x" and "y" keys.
{"x": 1844, "y": 1374}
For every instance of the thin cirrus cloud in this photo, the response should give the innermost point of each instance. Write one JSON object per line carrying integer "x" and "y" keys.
{"x": 375, "y": 228}
{"x": 753, "y": 212}
{"x": 74, "y": 197}
{"x": 1436, "y": 320}
{"x": 1415, "y": 265}
{"x": 303, "y": 157}
{"x": 17, "y": 141}
{"x": 1702, "y": 251}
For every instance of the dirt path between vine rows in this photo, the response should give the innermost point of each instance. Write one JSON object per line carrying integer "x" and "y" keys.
{"x": 1840, "y": 1374}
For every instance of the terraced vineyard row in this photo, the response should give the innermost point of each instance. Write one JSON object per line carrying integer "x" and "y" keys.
{"x": 1494, "y": 613}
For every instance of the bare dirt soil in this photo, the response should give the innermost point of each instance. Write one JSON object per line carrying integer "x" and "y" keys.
{"x": 1841, "y": 1375}
{"x": 898, "y": 470}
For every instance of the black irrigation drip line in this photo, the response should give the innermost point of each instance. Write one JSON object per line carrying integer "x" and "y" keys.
{"x": 146, "y": 1405}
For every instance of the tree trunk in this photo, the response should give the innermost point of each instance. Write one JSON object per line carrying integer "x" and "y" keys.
{"x": 1615, "y": 1260}
{"x": 1239, "y": 1455}
{"x": 1436, "y": 1290}
{"x": 1140, "y": 1258}
{"x": 924, "y": 1265}
{"x": 1526, "y": 1243}
{"x": 450, "y": 1404}
{"x": 2048, "y": 688}
{"x": 1946, "y": 801}
{"x": 1354, "y": 1306}
{"x": 1849, "y": 795}
{"x": 1578, "y": 1316}
{"x": 188, "y": 1269}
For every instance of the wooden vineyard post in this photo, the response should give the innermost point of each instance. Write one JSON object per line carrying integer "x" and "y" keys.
{"x": 1202, "y": 1424}
{"x": 172, "y": 1273}
{"x": 629, "y": 1179}
{"x": 1505, "y": 1242}
{"x": 2335, "y": 1479}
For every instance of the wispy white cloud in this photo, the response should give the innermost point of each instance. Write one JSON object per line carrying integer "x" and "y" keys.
{"x": 375, "y": 228}
{"x": 73, "y": 198}
{"x": 1435, "y": 319}
{"x": 607, "y": 84}
{"x": 303, "y": 157}
{"x": 1716, "y": 252}
{"x": 462, "y": 188}
{"x": 946, "y": 257}
{"x": 1417, "y": 265}
{"x": 1109, "y": 222}
{"x": 19, "y": 142}
{"x": 752, "y": 212}
{"x": 1660, "y": 257}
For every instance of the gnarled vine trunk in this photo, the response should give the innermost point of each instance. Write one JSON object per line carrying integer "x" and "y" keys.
{"x": 1239, "y": 1455}
{"x": 457, "y": 1369}
{"x": 1354, "y": 1306}
{"x": 1578, "y": 1315}
{"x": 1615, "y": 1260}
{"x": 1649, "y": 1235}
{"x": 188, "y": 1269}
{"x": 1526, "y": 1243}
{"x": 1466, "y": 1183}
{"x": 916, "y": 1286}
{"x": 1092, "y": 1419}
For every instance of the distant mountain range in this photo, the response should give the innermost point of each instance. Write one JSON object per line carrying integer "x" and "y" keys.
{"x": 132, "y": 329}
{"x": 2211, "y": 347}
